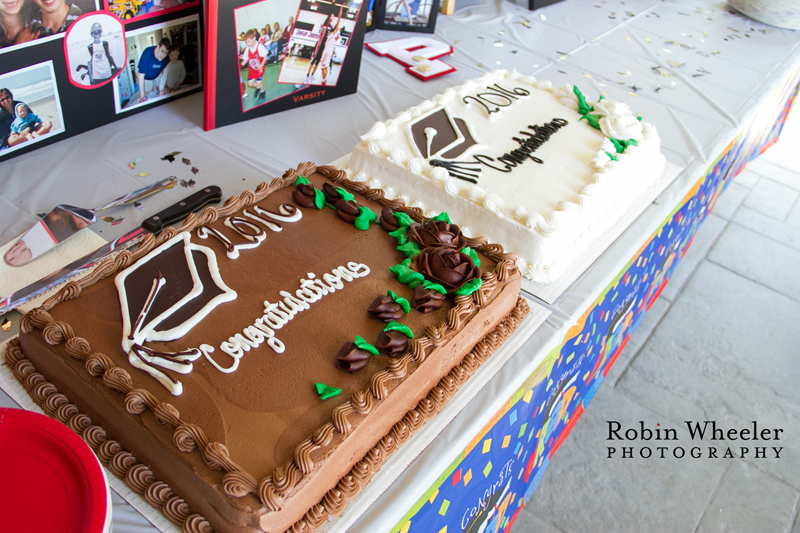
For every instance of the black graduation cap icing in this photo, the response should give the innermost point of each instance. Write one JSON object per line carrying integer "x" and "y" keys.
{"x": 163, "y": 297}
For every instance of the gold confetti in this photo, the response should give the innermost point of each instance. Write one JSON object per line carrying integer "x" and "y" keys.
{"x": 6, "y": 326}
{"x": 648, "y": 39}
{"x": 525, "y": 23}
{"x": 675, "y": 63}
{"x": 628, "y": 39}
{"x": 667, "y": 50}
{"x": 142, "y": 174}
{"x": 457, "y": 41}
{"x": 501, "y": 32}
{"x": 624, "y": 74}
{"x": 588, "y": 76}
{"x": 633, "y": 94}
{"x": 480, "y": 65}
{"x": 714, "y": 52}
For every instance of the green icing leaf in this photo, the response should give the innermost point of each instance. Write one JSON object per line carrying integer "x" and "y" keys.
{"x": 326, "y": 391}
{"x": 442, "y": 216}
{"x": 583, "y": 105}
{"x": 366, "y": 216}
{"x": 406, "y": 275}
{"x": 400, "y": 235}
{"x": 473, "y": 254}
{"x": 593, "y": 120}
{"x": 344, "y": 194}
{"x": 394, "y": 326}
{"x": 319, "y": 198}
{"x": 302, "y": 180}
{"x": 470, "y": 287}
{"x": 612, "y": 156}
{"x": 618, "y": 146}
{"x": 403, "y": 219}
{"x": 410, "y": 249}
{"x": 639, "y": 118}
{"x": 431, "y": 286}
{"x": 361, "y": 344}
{"x": 404, "y": 305}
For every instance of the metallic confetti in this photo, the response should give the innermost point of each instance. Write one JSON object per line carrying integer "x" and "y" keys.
{"x": 588, "y": 76}
{"x": 132, "y": 164}
{"x": 170, "y": 157}
{"x": 108, "y": 219}
{"x": 675, "y": 63}
{"x": 138, "y": 205}
{"x": 498, "y": 44}
{"x": 195, "y": 170}
{"x": 501, "y": 32}
{"x": 543, "y": 17}
{"x": 6, "y": 326}
{"x": 660, "y": 70}
{"x": 142, "y": 174}
{"x": 625, "y": 74}
{"x": 187, "y": 184}
{"x": 186, "y": 161}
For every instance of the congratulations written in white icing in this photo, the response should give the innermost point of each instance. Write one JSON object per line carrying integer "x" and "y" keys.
{"x": 278, "y": 314}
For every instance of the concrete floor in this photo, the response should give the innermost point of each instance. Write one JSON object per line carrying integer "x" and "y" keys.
{"x": 718, "y": 345}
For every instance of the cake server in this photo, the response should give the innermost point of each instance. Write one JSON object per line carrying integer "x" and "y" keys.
{"x": 66, "y": 220}
{"x": 152, "y": 225}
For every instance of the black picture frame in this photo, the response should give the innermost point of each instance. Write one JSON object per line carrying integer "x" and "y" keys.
{"x": 417, "y": 16}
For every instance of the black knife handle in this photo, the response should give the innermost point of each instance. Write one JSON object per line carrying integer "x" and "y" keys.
{"x": 190, "y": 204}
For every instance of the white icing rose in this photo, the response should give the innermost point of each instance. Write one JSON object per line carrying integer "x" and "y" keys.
{"x": 416, "y": 165}
{"x": 608, "y": 107}
{"x": 566, "y": 97}
{"x": 621, "y": 127}
{"x": 520, "y": 213}
{"x": 543, "y": 85}
{"x": 389, "y": 193}
{"x": 402, "y": 117}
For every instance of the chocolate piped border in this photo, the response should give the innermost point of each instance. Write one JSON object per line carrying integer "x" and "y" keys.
{"x": 137, "y": 476}
{"x": 273, "y": 490}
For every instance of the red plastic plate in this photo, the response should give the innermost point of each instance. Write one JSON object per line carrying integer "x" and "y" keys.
{"x": 50, "y": 480}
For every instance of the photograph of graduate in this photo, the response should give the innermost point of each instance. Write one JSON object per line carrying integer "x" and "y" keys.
{"x": 95, "y": 47}
{"x": 163, "y": 61}
{"x": 140, "y": 9}
{"x": 30, "y": 108}
{"x": 318, "y": 45}
{"x": 24, "y": 21}
{"x": 263, "y": 31}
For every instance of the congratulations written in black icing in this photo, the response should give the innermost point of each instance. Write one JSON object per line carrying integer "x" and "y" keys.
{"x": 529, "y": 143}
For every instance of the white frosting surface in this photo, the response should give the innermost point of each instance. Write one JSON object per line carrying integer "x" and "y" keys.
{"x": 547, "y": 212}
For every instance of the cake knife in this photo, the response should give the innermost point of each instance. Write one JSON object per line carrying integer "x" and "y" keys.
{"x": 66, "y": 220}
{"x": 152, "y": 225}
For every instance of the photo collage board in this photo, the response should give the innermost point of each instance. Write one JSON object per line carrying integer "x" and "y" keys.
{"x": 69, "y": 66}
{"x": 266, "y": 56}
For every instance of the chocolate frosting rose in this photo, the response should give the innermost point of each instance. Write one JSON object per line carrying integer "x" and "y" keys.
{"x": 392, "y": 343}
{"x": 388, "y": 220}
{"x": 426, "y": 300}
{"x": 437, "y": 233}
{"x": 352, "y": 359}
{"x": 347, "y": 210}
{"x": 330, "y": 192}
{"x": 385, "y": 309}
{"x": 447, "y": 267}
{"x": 303, "y": 195}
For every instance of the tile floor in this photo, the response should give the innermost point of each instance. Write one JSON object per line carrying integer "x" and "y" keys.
{"x": 718, "y": 345}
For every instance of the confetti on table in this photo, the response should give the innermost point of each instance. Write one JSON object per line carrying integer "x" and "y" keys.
{"x": 186, "y": 161}
{"x": 170, "y": 157}
{"x": 498, "y": 44}
{"x": 138, "y": 205}
{"x": 187, "y": 184}
{"x": 675, "y": 63}
{"x": 195, "y": 170}
{"x": 118, "y": 221}
{"x": 6, "y": 326}
{"x": 113, "y": 221}
{"x": 624, "y": 74}
{"x": 132, "y": 164}
{"x": 501, "y": 32}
